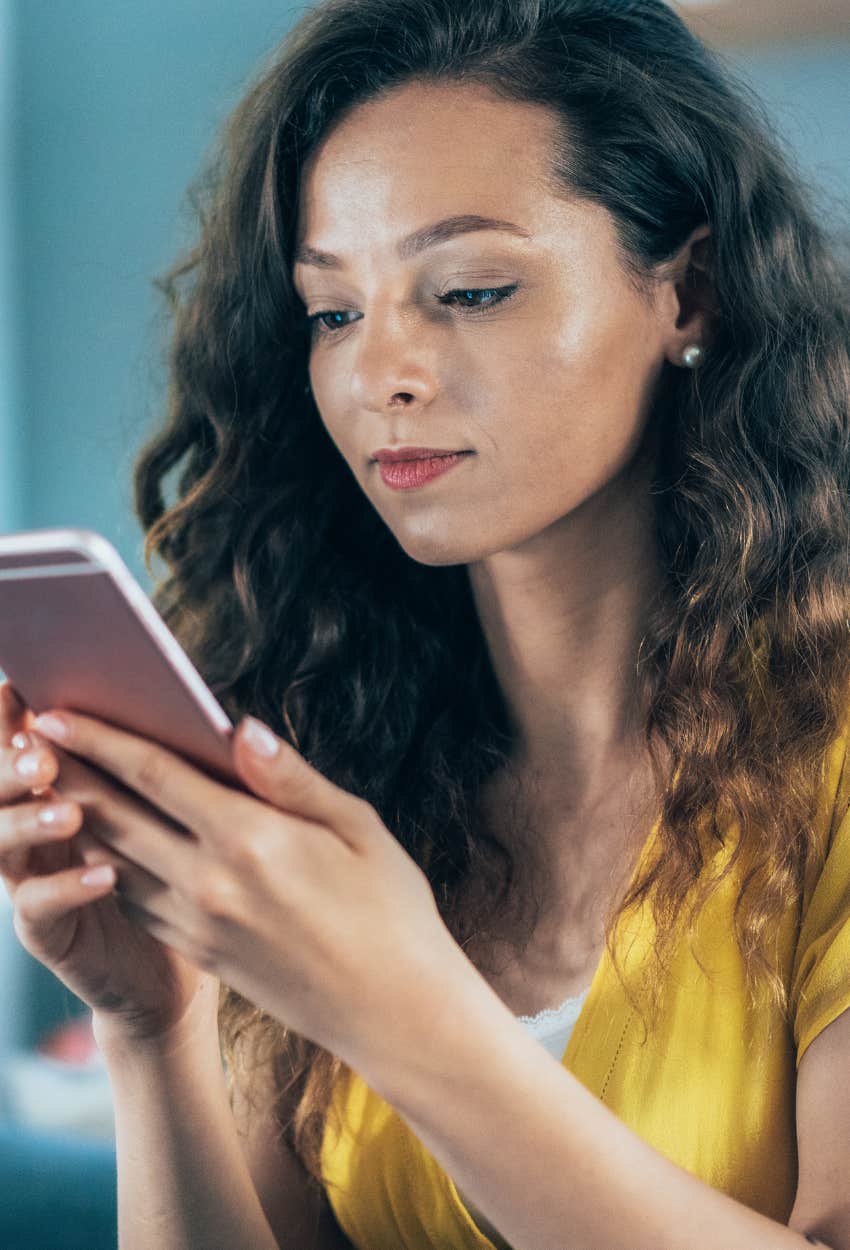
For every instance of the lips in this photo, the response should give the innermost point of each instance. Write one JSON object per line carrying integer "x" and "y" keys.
{"x": 411, "y": 474}
{"x": 389, "y": 456}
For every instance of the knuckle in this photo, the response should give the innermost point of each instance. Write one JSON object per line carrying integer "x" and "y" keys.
{"x": 250, "y": 851}
{"x": 151, "y": 770}
{"x": 358, "y": 816}
{"x": 363, "y": 809}
{"x": 27, "y": 910}
{"x": 9, "y": 818}
{"x": 19, "y": 826}
{"x": 13, "y": 864}
{"x": 213, "y": 894}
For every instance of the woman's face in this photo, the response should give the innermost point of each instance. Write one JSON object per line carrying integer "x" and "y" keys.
{"x": 550, "y": 388}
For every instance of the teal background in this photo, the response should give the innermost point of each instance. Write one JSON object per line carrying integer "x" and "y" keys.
{"x": 106, "y": 109}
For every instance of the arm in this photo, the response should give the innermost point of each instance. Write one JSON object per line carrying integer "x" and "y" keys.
{"x": 184, "y": 1176}
{"x": 574, "y": 1175}
{"x": 300, "y": 1215}
{"x": 182, "y": 1179}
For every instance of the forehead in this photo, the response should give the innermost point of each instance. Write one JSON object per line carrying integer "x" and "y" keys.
{"x": 421, "y": 154}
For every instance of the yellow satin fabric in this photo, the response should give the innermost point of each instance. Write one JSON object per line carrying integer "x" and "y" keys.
{"x": 712, "y": 1089}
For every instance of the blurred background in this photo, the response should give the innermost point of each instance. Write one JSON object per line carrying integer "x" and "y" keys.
{"x": 106, "y": 110}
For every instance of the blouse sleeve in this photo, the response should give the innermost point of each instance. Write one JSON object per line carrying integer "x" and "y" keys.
{"x": 820, "y": 983}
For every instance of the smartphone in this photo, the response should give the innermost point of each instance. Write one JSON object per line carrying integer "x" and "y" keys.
{"x": 77, "y": 631}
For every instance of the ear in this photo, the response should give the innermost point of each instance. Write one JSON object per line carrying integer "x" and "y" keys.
{"x": 689, "y": 297}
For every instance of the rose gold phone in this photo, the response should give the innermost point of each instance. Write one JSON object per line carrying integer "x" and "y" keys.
{"x": 78, "y": 632}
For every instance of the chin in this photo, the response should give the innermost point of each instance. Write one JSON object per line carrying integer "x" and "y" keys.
{"x": 439, "y": 550}
{"x": 436, "y": 556}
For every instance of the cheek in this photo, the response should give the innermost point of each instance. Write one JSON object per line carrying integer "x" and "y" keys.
{"x": 576, "y": 412}
{"x": 594, "y": 384}
{"x": 331, "y": 409}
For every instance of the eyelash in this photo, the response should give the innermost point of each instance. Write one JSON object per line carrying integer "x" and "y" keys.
{"x": 503, "y": 293}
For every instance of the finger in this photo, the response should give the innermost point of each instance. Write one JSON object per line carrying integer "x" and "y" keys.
{"x": 153, "y": 924}
{"x": 30, "y": 824}
{"x": 92, "y": 851}
{"x": 133, "y": 882}
{"x": 133, "y": 885}
{"x": 285, "y": 779}
{"x": 42, "y": 902}
{"x": 143, "y": 836}
{"x": 16, "y": 718}
{"x": 122, "y": 819}
{"x": 141, "y": 896}
{"x": 21, "y": 831}
{"x": 194, "y": 800}
{"x": 25, "y": 766}
{"x": 79, "y": 786}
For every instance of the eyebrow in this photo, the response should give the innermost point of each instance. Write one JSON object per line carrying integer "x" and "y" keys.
{"x": 412, "y": 244}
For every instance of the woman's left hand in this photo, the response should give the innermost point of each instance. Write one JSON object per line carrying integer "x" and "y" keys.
{"x": 299, "y": 898}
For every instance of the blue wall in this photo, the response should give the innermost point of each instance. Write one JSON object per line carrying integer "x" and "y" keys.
{"x": 106, "y": 107}
{"x": 116, "y": 103}
{"x": 12, "y": 495}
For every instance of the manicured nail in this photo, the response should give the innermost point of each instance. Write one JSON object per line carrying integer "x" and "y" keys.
{"x": 30, "y": 765}
{"x": 56, "y": 814}
{"x": 259, "y": 738}
{"x": 103, "y": 874}
{"x": 51, "y": 726}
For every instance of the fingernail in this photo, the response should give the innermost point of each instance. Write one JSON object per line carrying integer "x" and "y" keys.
{"x": 56, "y": 814}
{"x": 259, "y": 738}
{"x": 30, "y": 765}
{"x": 103, "y": 874}
{"x": 22, "y": 740}
{"x": 51, "y": 726}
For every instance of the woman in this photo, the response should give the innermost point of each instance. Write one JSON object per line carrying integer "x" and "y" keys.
{"x": 578, "y": 675}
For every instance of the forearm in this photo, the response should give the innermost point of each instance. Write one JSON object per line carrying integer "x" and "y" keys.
{"x": 182, "y": 1179}
{"x": 542, "y": 1157}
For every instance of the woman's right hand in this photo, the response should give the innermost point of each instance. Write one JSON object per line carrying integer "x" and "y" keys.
{"x": 137, "y": 987}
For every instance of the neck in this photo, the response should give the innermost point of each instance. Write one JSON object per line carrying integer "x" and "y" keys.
{"x": 563, "y": 617}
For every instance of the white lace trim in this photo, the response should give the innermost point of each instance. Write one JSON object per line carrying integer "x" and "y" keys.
{"x": 555, "y": 1013}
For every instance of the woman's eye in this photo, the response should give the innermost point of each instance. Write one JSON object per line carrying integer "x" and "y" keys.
{"x": 455, "y": 298}
{"x": 316, "y": 322}
{"x": 501, "y": 292}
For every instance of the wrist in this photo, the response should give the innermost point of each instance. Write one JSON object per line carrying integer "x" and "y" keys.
{"x": 451, "y": 994}
{"x": 119, "y": 1038}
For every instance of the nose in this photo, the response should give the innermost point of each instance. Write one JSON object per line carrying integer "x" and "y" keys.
{"x": 394, "y": 364}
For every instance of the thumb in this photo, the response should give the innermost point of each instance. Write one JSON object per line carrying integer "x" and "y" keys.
{"x": 277, "y": 773}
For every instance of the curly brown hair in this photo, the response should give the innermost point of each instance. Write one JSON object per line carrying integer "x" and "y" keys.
{"x": 296, "y": 603}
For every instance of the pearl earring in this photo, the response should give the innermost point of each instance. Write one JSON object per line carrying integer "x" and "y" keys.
{"x": 693, "y": 356}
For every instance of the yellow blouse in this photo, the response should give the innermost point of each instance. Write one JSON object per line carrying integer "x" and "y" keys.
{"x": 712, "y": 1088}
